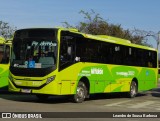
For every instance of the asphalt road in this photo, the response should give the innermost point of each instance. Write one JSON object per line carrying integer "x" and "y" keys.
{"x": 116, "y": 102}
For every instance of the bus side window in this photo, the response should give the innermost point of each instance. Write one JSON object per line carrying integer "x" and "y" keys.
{"x": 67, "y": 50}
{"x": 4, "y": 54}
{"x": 63, "y": 52}
{"x": 1, "y": 53}
{"x": 1, "y": 56}
{"x": 7, "y": 54}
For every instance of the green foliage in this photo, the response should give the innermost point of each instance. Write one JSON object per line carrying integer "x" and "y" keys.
{"x": 94, "y": 24}
{"x": 6, "y": 30}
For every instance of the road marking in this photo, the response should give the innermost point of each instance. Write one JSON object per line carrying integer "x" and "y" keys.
{"x": 142, "y": 104}
{"x": 150, "y": 105}
{"x": 118, "y": 103}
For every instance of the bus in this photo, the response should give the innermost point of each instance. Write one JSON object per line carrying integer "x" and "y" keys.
{"x": 59, "y": 61}
{"x": 5, "y": 47}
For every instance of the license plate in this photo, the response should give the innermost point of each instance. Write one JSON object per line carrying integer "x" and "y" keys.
{"x": 26, "y": 90}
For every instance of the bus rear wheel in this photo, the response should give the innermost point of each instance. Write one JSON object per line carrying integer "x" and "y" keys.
{"x": 133, "y": 90}
{"x": 81, "y": 93}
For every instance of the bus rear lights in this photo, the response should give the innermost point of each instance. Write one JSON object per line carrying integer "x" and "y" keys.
{"x": 50, "y": 79}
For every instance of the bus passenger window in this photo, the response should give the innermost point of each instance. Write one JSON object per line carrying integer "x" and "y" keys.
{"x": 4, "y": 54}
{"x": 7, "y": 54}
{"x": 1, "y": 54}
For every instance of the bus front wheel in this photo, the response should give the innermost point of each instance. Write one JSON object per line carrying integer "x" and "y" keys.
{"x": 81, "y": 93}
{"x": 133, "y": 90}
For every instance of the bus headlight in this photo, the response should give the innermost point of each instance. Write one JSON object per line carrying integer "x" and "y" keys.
{"x": 50, "y": 79}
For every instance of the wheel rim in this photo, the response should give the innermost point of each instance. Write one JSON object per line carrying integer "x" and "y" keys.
{"x": 133, "y": 90}
{"x": 80, "y": 93}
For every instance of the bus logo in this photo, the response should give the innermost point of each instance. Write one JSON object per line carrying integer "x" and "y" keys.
{"x": 97, "y": 71}
{"x": 31, "y": 64}
{"x": 126, "y": 74}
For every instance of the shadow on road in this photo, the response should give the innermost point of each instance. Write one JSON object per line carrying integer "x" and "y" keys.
{"x": 33, "y": 99}
{"x": 156, "y": 92}
{"x": 59, "y": 99}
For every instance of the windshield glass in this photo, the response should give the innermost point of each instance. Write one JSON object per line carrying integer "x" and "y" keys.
{"x": 35, "y": 51}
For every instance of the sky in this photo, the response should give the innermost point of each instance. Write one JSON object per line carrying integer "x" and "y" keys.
{"x": 140, "y": 14}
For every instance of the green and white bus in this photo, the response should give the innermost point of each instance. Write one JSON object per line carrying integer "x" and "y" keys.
{"x": 5, "y": 46}
{"x": 58, "y": 61}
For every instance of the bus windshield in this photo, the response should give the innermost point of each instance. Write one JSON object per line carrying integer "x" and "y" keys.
{"x": 34, "y": 50}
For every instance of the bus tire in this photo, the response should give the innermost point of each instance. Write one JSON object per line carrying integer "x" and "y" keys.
{"x": 42, "y": 97}
{"x": 81, "y": 93}
{"x": 133, "y": 90}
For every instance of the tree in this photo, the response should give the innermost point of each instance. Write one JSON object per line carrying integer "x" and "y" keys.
{"x": 96, "y": 25}
{"x": 6, "y": 30}
{"x": 147, "y": 35}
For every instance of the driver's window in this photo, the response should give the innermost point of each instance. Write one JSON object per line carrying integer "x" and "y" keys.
{"x": 67, "y": 49}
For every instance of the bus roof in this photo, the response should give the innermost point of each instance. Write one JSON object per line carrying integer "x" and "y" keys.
{"x": 101, "y": 38}
{"x": 111, "y": 39}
